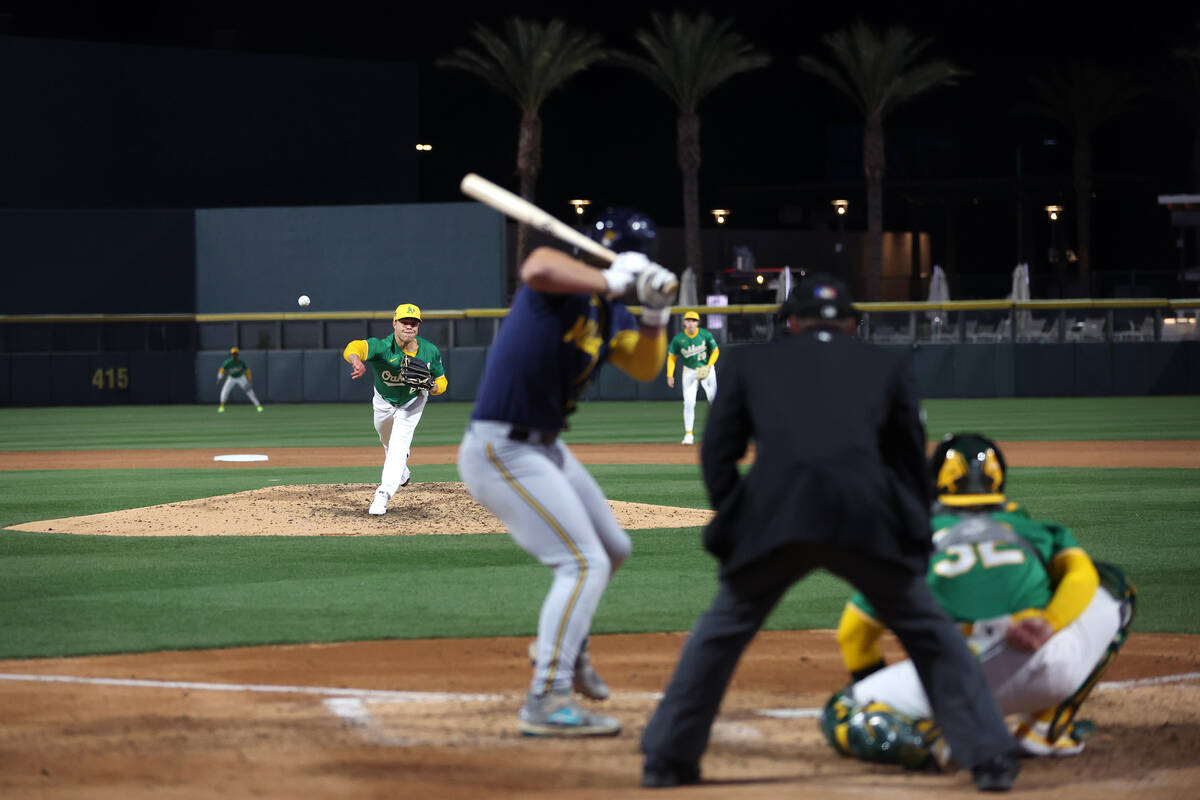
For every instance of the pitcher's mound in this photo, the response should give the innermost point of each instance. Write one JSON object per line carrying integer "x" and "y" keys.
{"x": 333, "y": 510}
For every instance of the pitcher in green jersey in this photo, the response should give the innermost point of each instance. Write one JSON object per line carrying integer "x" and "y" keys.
{"x": 697, "y": 351}
{"x": 397, "y": 406}
{"x": 1043, "y": 618}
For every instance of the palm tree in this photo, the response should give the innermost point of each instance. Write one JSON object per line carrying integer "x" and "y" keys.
{"x": 686, "y": 58}
{"x": 1082, "y": 97}
{"x": 527, "y": 64}
{"x": 878, "y": 71}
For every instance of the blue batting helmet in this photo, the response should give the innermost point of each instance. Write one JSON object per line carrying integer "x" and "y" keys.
{"x": 621, "y": 229}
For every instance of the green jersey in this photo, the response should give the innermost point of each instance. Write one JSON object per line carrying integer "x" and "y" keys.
{"x": 990, "y": 564}
{"x": 384, "y": 356}
{"x": 234, "y": 367}
{"x": 693, "y": 351}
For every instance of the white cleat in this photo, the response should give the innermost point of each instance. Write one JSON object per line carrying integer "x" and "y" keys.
{"x": 379, "y": 504}
{"x": 688, "y": 439}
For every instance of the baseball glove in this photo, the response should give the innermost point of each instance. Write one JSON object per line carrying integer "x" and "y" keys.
{"x": 415, "y": 373}
{"x": 702, "y": 371}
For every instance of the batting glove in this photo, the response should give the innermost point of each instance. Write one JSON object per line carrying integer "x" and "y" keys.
{"x": 656, "y": 286}
{"x": 624, "y": 271}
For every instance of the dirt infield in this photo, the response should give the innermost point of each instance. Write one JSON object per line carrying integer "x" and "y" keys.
{"x": 436, "y": 718}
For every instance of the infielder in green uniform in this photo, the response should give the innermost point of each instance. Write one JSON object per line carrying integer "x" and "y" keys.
{"x": 235, "y": 373}
{"x": 1043, "y": 618}
{"x": 697, "y": 350}
{"x": 407, "y": 370}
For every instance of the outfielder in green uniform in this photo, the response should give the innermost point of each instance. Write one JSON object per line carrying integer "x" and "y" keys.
{"x": 407, "y": 370}
{"x": 235, "y": 373}
{"x": 1043, "y": 618}
{"x": 697, "y": 351}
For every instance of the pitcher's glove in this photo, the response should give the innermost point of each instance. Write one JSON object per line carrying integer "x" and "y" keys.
{"x": 415, "y": 373}
{"x": 702, "y": 371}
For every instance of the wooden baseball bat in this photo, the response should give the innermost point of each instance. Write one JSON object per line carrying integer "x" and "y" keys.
{"x": 520, "y": 209}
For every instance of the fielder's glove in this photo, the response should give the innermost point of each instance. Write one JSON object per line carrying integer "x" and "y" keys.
{"x": 415, "y": 373}
{"x": 702, "y": 371}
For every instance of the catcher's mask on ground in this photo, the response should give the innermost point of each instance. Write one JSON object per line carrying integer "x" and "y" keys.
{"x": 622, "y": 229}
{"x": 968, "y": 469}
{"x": 406, "y": 311}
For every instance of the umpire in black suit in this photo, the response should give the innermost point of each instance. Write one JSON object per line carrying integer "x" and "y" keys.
{"x": 839, "y": 483}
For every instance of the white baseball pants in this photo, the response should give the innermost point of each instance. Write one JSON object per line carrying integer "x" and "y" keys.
{"x": 690, "y": 382}
{"x": 241, "y": 382}
{"x": 1021, "y": 682}
{"x": 556, "y": 512}
{"x": 396, "y": 426}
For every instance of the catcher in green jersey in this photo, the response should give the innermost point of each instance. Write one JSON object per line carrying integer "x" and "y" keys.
{"x": 1043, "y": 618}
{"x": 697, "y": 350}
{"x": 235, "y": 373}
{"x": 408, "y": 369}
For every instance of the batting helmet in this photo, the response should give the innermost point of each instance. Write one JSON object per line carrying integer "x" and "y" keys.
{"x": 621, "y": 229}
{"x": 968, "y": 469}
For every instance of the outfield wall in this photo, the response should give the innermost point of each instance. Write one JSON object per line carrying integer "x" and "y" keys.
{"x": 319, "y": 375}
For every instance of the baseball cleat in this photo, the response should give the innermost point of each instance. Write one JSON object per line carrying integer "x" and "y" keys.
{"x": 220, "y": 409}
{"x": 379, "y": 504}
{"x": 407, "y": 477}
{"x": 260, "y": 409}
{"x": 688, "y": 439}
{"x": 556, "y": 714}
{"x": 1032, "y": 741}
{"x": 586, "y": 681}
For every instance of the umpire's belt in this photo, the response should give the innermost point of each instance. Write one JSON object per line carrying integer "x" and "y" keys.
{"x": 519, "y": 433}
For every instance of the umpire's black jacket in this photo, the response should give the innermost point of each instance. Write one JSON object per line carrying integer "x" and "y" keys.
{"x": 840, "y": 452}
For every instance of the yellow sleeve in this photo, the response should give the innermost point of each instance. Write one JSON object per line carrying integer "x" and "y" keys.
{"x": 1075, "y": 579}
{"x": 248, "y": 374}
{"x": 858, "y": 637}
{"x": 358, "y": 347}
{"x": 220, "y": 371}
{"x": 713, "y": 358}
{"x": 670, "y": 363}
{"x": 638, "y": 356}
{"x": 439, "y": 384}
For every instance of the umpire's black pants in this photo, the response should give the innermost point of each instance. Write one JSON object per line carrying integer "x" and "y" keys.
{"x": 962, "y": 705}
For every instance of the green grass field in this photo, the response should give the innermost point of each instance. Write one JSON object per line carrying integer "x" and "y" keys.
{"x": 74, "y": 595}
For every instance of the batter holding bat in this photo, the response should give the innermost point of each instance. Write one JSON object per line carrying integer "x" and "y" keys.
{"x": 697, "y": 352}
{"x": 566, "y": 321}
{"x": 408, "y": 369}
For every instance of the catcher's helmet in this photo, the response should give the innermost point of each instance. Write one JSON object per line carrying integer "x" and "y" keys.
{"x": 968, "y": 469}
{"x": 621, "y": 229}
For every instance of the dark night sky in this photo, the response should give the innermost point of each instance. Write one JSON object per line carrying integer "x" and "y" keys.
{"x": 611, "y": 138}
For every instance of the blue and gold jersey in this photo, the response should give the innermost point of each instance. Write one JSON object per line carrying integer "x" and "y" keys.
{"x": 549, "y": 349}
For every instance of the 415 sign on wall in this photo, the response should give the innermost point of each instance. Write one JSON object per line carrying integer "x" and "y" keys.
{"x": 112, "y": 378}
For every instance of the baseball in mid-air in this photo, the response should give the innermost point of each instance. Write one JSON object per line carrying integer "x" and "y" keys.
{"x": 304, "y": 300}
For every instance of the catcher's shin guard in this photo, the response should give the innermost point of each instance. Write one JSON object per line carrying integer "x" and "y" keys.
{"x": 1112, "y": 580}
